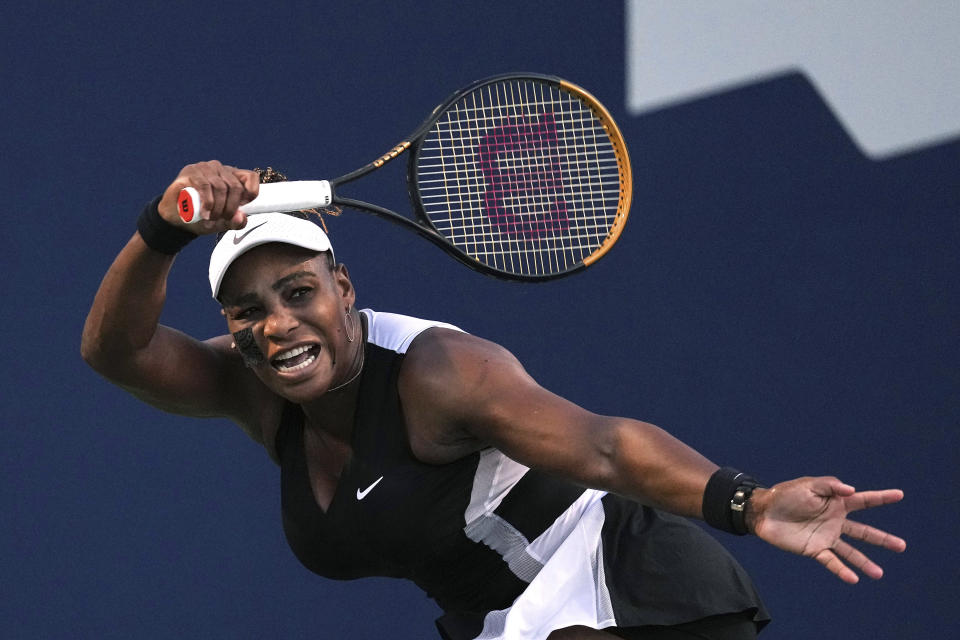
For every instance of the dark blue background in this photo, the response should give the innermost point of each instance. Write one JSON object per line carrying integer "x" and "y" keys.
{"x": 778, "y": 301}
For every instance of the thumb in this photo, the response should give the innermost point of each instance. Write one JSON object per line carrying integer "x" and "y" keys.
{"x": 828, "y": 485}
{"x": 238, "y": 221}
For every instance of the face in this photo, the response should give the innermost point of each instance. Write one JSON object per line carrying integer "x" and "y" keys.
{"x": 293, "y": 306}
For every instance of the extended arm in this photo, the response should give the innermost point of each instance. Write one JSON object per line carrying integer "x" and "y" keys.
{"x": 476, "y": 389}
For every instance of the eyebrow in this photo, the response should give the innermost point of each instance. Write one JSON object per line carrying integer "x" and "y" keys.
{"x": 282, "y": 282}
{"x": 276, "y": 286}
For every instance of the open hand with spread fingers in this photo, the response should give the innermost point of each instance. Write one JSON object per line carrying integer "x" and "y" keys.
{"x": 808, "y": 516}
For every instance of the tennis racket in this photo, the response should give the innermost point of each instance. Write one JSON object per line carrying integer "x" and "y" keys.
{"x": 520, "y": 176}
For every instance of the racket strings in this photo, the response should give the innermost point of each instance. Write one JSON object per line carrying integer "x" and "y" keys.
{"x": 522, "y": 176}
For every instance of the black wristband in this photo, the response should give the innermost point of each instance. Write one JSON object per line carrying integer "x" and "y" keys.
{"x": 725, "y": 498}
{"x": 158, "y": 234}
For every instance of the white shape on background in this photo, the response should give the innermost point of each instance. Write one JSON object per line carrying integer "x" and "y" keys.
{"x": 889, "y": 69}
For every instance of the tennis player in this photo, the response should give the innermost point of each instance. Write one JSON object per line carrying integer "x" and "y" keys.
{"x": 409, "y": 448}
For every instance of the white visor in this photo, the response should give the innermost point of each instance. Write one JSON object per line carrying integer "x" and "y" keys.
{"x": 262, "y": 228}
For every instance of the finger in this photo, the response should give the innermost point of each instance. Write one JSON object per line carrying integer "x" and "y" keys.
{"x": 208, "y": 226}
{"x": 874, "y": 536}
{"x": 219, "y": 189}
{"x": 204, "y": 192}
{"x": 218, "y": 226}
{"x": 870, "y": 499}
{"x": 835, "y": 566}
{"x": 251, "y": 184}
{"x": 202, "y": 176}
{"x": 829, "y": 486}
{"x": 234, "y": 196}
{"x": 858, "y": 559}
{"x": 238, "y": 221}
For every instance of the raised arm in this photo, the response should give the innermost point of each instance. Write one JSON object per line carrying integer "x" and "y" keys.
{"x": 469, "y": 390}
{"x": 122, "y": 338}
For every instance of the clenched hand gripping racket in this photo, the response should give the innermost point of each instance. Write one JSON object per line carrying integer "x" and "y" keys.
{"x": 520, "y": 176}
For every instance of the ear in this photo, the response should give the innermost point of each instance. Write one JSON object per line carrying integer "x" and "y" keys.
{"x": 342, "y": 279}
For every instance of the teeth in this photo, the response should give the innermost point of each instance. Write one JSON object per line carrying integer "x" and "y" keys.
{"x": 286, "y": 355}
{"x": 299, "y": 366}
{"x": 283, "y": 360}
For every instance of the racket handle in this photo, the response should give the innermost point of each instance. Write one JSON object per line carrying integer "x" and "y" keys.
{"x": 273, "y": 196}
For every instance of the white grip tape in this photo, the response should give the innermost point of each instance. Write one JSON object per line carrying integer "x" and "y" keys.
{"x": 290, "y": 196}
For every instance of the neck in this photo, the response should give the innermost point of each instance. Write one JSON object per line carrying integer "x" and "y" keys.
{"x": 357, "y": 369}
{"x": 333, "y": 411}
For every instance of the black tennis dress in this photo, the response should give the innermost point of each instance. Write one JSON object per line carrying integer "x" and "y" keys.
{"x": 507, "y": 552}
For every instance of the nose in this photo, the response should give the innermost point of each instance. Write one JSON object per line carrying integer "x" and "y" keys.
{"x": 279, "y": 323}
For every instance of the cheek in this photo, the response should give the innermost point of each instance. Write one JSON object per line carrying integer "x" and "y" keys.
{"x": 247, "y": 346}
{"x": 329, "y": 319}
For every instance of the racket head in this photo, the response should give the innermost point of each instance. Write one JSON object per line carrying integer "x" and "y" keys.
{"x": 527, "y": 176}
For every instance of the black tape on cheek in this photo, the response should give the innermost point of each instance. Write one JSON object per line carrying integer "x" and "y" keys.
{"x": 247, "y": 346}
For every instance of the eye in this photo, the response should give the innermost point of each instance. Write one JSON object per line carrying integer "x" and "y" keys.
{"x": 244, "y": 313}
{"x": 300, "y": 292}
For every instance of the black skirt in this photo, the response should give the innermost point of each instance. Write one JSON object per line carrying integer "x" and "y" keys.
{"x": 627, "y": 566}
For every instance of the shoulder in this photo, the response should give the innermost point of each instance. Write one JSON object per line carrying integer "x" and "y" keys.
{"x": 444, "y": 375}
{"x": 439, "y": 360}
{"x": 453, "y": 379}
{"x": 448, "y": 356}
{"x": 395, "y": 331}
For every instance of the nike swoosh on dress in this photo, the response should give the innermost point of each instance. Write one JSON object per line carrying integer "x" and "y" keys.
{"x": 363, "y": 494}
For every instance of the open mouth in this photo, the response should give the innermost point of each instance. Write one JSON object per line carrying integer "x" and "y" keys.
{"x": 296, "y": 358}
